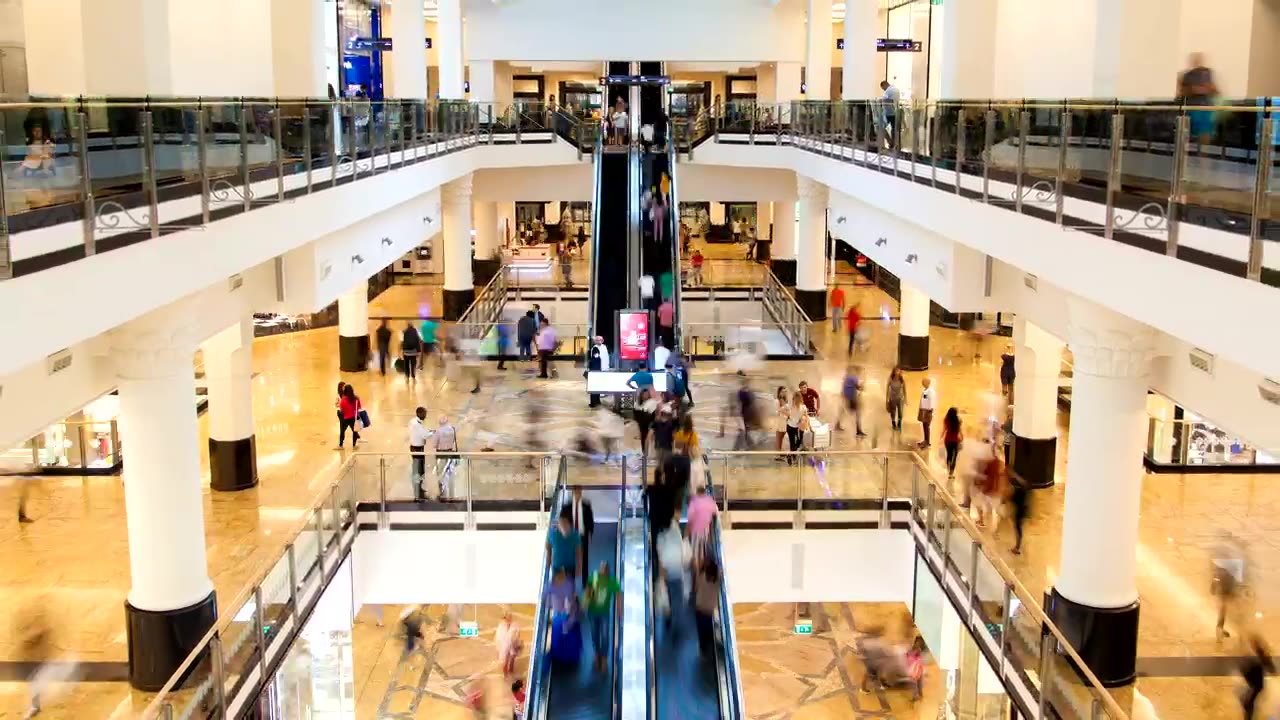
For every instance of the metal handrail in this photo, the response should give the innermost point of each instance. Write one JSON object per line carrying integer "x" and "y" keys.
{"x": 619, "y": 569}
{"x": 593, "y": 299}
{"x": 673, "y": 217}
{"x": 537, "y": 694}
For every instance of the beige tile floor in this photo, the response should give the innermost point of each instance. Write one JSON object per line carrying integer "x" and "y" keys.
{"x": 50, "y": 571}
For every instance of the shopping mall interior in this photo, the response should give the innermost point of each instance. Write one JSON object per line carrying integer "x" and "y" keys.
{"x": 750, "y": 359}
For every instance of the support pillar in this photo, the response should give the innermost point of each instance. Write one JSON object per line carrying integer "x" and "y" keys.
{"x": 487, "y": 262}
{"x": 913, "y": 329}
{"x": 968, "y": 48}
{"x": 449, "y": 52}
{"x": 409, "y": 52}
{"x": 459, "y": 288}
{"x": 228, "y": 369}
{"x": 858, "y": 76}
{"x": 811, "y": 282}
{"x": 506, "y": 222}
{"x": 353, "y": 328}
{"x": 297, "y": 48}
{"x": 818, "y": 48}
{"x": 171, "y": 601}
{"x": 1037, "y": 363}
{"x": 1095, "y": 598}
{"x": 782, "y": 248}
{"x": 786, "y": 79}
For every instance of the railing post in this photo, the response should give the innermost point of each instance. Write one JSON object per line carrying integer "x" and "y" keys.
{"x": 1024, "y": 128}
{"x": 518, "y": 132}
{"x": 917, "y": 112}
{"x": 976, "y": 549}
{"x": 578, "y": 132}
{"x": 933, "y": 150}
{"x": 320, "y": 545}
{"x": 988, "y": 139}
{"x": 149, "y": 171}
{"x": 337, "y": 517}
{"x": 116, "y": 452}
{"x": 259, "y": 634}
{"x": 352, "y": 148}
{"x": 277, "y": 129}
{"x": 293, "y": 580}
{"x": 219, "y": 677}
{"x": 334, "y": 113}
{"x": 1006, "y": 628}
{"x": 1064, "y": 139}
{"x": 86, "y": 184}
{"x": 1173, "y": 213}
{"x": 404, "y": 134}
{"x": 1046, "y": 665}
{"x": 244, "y": 153}
{"x": 382, "y": 488}
{"x": 884, "y": 493}
{"x": 751, "y": 128}
{"x": 915, "y": 493}
{"x": 1261, "y": 203}
{"x": 960, "y": 147}
{"x": 470, "y": 523}
{"x": 1113, "y": 173}
{"x": 6, "y": 262}
{"x": 799, "y": 521}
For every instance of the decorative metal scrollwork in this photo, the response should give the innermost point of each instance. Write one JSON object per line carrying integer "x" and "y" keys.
{"x": 224, "y": 191}
{"x": 111, "y": 215}
{"x": 1152, "y": 216}
{"x": 1041, "y": 191}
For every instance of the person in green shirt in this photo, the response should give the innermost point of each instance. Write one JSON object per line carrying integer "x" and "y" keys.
{"x": 599, "y": 594}
{"x": 428, "y": 341}
{"x": 665, "y": 282}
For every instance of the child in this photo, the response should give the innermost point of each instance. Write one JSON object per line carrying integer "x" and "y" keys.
{"x": 517, "y": 700}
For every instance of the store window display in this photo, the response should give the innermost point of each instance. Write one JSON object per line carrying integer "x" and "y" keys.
{"x": 86, "y": 443}
{"x": 1179, "y": 440}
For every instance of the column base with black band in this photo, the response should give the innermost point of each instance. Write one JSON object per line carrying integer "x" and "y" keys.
{"x": 233, "y": 464}
{"x": 913, "y": 352}
{"x": 456, "y": 302}
{"x": 1105, "y": 638}
{"x": 1034, "y": 460}
{"x": 160, "y": 640}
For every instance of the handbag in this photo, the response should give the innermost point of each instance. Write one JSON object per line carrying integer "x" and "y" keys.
{"x": 363, "y": 415}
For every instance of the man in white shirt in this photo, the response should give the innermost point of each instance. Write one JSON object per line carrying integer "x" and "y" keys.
{"x": 597, "y": 360}
{"x": 418, "y": 435}
{"x": 660, "y": 356}
{"x": 892, "y": 96}
{"x": 646, "y": 291}
{"x": 928, "y": 400}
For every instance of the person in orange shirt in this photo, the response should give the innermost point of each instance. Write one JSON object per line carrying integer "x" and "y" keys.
{"x": 837, "y": 307}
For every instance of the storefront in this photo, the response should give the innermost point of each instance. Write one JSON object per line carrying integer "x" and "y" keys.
{"x": 908, "y": 49}
{"x": 1180, "y": 441}
{"x": 86, "y": 443}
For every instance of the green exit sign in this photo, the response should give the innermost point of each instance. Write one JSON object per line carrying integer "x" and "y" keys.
{"x": 468, "y": 629}
{"x": 935, "y": 2}
{"x": 804, "y": 627}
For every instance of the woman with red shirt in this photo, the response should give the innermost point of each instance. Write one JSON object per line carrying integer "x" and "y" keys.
{"x": 349, "y": 409}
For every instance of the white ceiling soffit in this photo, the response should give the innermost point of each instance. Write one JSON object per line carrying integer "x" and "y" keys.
{"x": 709, "y": 67}
{"x": 594, "y": 67}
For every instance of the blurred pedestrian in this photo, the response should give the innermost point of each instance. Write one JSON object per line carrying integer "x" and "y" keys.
{"x": 350, "y": 408}
{"x": 526, "y": 330}
{"x": 446, "y": 447}
{"x": 837, "y": 308}
{"x": 418, "y": 436}
{"x": 584, "y": 522}
{"x": 600, "y": 595}
{"x": 928, "y": 398}
{"x": 428, "y": 336}
{"x": 952, "y": 436}
{"x": 989, "y": 486}
{"x": 1020, "y": 504}
{"x": 383, "y": 336}
{"x": 507, "y": 638}
{"x": 564, "y": 546}
{"x": 1197, "y": 89}
{"x": 853, "y": 321}
{"x": 547, "y": 342}
{"x": 411, "y": 625}
{"x": 597, "y": 361}
{"x": 851, "y": 393}
{"x": 1254, "y": 669}
{"x": 1008, "y": 371}
{"x": 797, "y": 425}
{"x": 503, "y": 335}
{"x": 706, "y": 601}
{"x": 896, "y": 397}
{"x": 749, "y": 414}
{"x": 1228, "y": 578}
{"x": 666, "y": 323}
{"x": 410, "y": 350}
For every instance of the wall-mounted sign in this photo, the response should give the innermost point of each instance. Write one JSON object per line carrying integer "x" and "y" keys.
{"x": 804, "y": 627}
{"x": 635, "y": 80}
{"x": 379, "y": 44}
{"x": 466, "y": 628}
{"x": 898, "y": 45}
{"x": 633, "y": 335}
{"x": 839, "y": 43}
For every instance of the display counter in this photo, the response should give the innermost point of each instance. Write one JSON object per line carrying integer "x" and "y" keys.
{"x": 532, "y": 257}
{"x": 1180, "y": 441}
{"x": 609, "y": 382}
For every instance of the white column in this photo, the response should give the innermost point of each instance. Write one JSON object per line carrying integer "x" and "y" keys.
{"x": 1037, "y": 364}
{"x": 408, "y": 51}
{"x": 459, "y": 289}
{"x": 783, "y": 246}
{"x": 228, "y": 370}
{"x": 786, "y": 79}
{"x": 913, "y": 328}
{"x": 764, "y": 220}
{"x": 449, "y": 27}
{"x": 968, "y": 48}
{"x": 716, "y": 215}
{"x": 486, "y": 220}
{"x": 812, "y": 243}
{"x": 818, "y": 48}
{"x": 1111, "y": 361}
{"x": 353, "y": 328}
{"x": 506, "y": 220}
{"x": 483, "y": 80}
{"x": 156, "y": 379}
{"x": 858, "y": 67}
{"x": 297, "y": 47}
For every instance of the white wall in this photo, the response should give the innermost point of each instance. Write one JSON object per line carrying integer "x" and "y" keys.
{"x": 1220, "y": 30}
{"x": 700, "y": 182}
{"x": 1145, "y": 286}
{"x": 707, "y": 30}
{"x": 534, "y": 184}
{"x": 766, "y": 566}
{"x": 172, "y": 266}
{"x": 447, "y": 566}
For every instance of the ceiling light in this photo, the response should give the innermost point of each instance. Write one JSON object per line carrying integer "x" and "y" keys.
{"x": 837, "y": 6}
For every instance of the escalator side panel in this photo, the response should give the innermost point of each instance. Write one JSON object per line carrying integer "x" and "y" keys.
{"x": 610, "y": 246}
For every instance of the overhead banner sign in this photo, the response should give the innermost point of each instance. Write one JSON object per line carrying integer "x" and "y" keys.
{"x": 898, "y": 45}
{"x": 635, "y": 80}
{"x": 379, "y": 44}
{"x": 633, "y": 335}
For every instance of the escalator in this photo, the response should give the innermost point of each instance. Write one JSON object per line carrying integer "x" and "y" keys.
{"x": 610, "y": 242}
{"x": 660, "y": 253}
{"x": 687, "y": 685}
{"x": 577, "y": 691}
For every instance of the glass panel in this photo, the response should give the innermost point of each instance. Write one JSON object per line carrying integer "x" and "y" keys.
{"x": 39, "y": 158}
{"x": 115, "y": 161}
{"x": 276, "y": 596}
{"x": 990, "y": 595}
{"x": 839, "y": 481}
{"x": 239, "y": 645}
{"x": 761, "y": 477}
{"x": 195, "y": 694}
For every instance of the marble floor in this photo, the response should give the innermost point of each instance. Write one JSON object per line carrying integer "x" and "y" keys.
{"x": 49, "y": 578}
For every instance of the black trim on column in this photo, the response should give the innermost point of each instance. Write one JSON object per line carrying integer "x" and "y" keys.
{"x": 159, "y": 640}
{"x": 233, "y": 464}
{"x": 785, "y": 270}
{"x": 353, "y": 353}
{"x": 456, "y": 302}
{"x": 1034, "y": 460}
{"x": 813, "y": 302}
{"x": 913, "y": 352}
{"x": 1105, "y": 638}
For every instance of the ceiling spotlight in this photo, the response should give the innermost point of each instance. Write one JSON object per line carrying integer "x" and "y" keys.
{"x": 912, "y": 258}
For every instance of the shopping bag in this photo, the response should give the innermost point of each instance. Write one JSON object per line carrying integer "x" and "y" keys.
{"x": 399, "y": 364}
{"x": 364, "y": 419}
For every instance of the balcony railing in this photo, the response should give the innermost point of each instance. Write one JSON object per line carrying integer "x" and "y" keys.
{"x": 1149, "y": 174}
{"x": 125, "y": 171}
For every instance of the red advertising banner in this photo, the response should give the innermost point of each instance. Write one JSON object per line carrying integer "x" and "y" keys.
{"x": 633, "y": 334}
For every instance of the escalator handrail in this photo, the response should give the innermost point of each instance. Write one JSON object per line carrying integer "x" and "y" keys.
{"x": 673, "y": 217}
{"x": 594, "y": 294}
{"x": 537, "y": 692}
{"x": 650, "y": 621}
{"x": 730, "y": 682}
{"x": 619, "y": 569}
